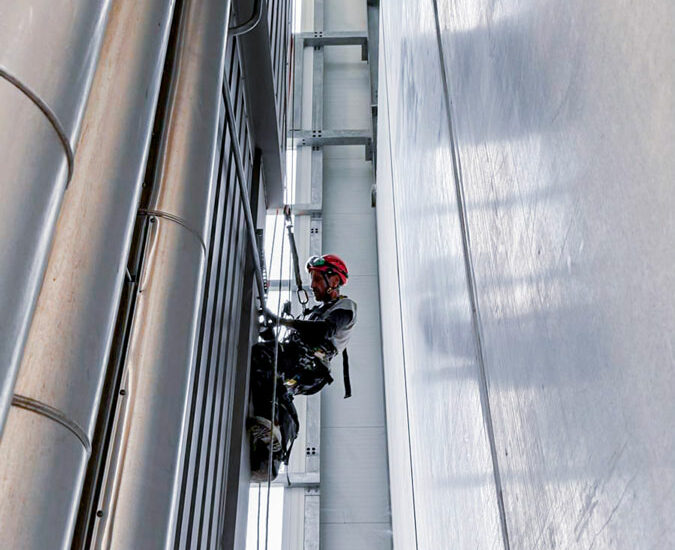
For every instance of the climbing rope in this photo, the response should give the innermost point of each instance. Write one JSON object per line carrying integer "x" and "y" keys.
{"x": 303, "y": 297}
{"x": 295, "y": 265}
{"x": 270, "y": 455}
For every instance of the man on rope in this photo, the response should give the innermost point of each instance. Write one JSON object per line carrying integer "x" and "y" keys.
{"x": 302, "y": 359}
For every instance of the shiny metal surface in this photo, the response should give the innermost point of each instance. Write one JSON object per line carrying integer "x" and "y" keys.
{"x": 27, "y": 521}
{"x": 69, "y": 339}
{"x": 52, "y": 48}
{"x": 559, "y": 141}
{"x": 142, "y": 510}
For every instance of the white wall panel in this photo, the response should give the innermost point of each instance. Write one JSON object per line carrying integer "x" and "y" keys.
{"x": 559, "y": 139}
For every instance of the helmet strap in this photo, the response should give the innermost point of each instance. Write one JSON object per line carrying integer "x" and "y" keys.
{"x": 329, "y": 288}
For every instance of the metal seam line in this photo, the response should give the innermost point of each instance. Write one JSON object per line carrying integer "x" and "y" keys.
{"x": 471, "y": 283}
{"x": 398, "y": 281}
{"x": 56, "y": 415}
{"x": 51, "y": 116}
{"x": 176, "y": 219}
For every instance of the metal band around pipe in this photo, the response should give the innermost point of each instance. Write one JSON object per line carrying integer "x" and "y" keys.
{"x": 176, "y": 219}
{"x": 249, "y": 25}
{"x": 51, "y": 116}
{"x": 243, "y": 192}
{"x": 56, "y": 415}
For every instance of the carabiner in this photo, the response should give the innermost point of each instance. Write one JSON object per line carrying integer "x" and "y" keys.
{"x": 302, "y": 292}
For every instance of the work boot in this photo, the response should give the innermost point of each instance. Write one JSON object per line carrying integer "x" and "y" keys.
{"x": 262, "y": 433}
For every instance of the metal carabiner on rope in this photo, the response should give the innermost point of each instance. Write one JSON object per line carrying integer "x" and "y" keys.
{"x": 303, "y": 297}
{"x": 302, "y": 293}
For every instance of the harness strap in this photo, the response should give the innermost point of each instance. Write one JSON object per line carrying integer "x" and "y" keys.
{"x": 303, "y": 297}
{"x": 345, "y": 374}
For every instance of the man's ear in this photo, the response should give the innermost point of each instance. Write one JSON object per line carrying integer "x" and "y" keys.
{"x": 334, "y": 281}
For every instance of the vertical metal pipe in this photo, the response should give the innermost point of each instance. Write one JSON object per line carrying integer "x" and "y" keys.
{"x": 69, "y": 340}
{"x": 48, "y": 54}
{"x": 145, "y": 472}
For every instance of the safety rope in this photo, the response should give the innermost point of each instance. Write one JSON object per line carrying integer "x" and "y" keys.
{"x": 303, "y": 297}
{"x": 298, "y": 281}
{"x": 275, "y": 373}
{"x": 257, "y": 542}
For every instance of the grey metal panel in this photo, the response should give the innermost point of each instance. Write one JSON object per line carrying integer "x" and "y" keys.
{"x": 162, "y": 345}
{"x": 361, "y": 496}
{"x": 141, "y": 513}
{"x": 212, "y": 490}
{"x": 52, "y": 456}
{"x": 366, "y": 535}
{"x": 562, "y": 116}
{"x": 398, "y": 444}
{"x": 92, "y": 236}
{"x": 451, "y": 471}
{"x": 68, "y": 343}
{"x": 562, "y": 154}
{"x": 259, "y": 70}
{"x": 51, "y": 48}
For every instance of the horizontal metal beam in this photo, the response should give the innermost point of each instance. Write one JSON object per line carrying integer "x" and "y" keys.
{"x": 298, "y": 479}
{"x": 319, "y": 39}
{"x": 302, "y": 209}
{"x": 322, "y": 138}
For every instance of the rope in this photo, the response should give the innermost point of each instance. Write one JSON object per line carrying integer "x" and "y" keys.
{"x": 274, "y": 404}
{"x": 274, "y": 238}
{"x": 257, "y": 544}
{"x": 303, "y": 297}
{"x": 278, "y": 311}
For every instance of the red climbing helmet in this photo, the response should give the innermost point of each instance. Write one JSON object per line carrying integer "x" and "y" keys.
{"x": 330, "y": 264}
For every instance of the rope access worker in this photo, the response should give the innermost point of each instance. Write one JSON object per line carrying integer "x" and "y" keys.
{"x": 303, "y": 362}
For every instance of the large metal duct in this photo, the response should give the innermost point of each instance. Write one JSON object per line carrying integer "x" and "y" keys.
{"x": 143, "y": 479}
{"x": 43, "y": 456}
{"x": 48, "y": 54}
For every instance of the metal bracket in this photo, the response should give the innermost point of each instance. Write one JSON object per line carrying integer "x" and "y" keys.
{"x": 320, "y": 39}
{"x": 322, "y": 138}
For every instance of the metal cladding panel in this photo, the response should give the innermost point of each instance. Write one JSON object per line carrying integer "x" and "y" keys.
{"x": 558, "y": 144}
{"x": 211, "y": 432}
{"x": 91, "y": 242}
{"x": 432, "y": 373}
{"x": 160, "y": 356}
{"x": 67, "y": 348}
{"x": 51, "y": 49}
{"x": 355, "y": 536}
{"x": 163, "y": 339}
{"x": 563, "y": 119}
{"x": 52, "y": 456}
{"x": 398, "y": 443}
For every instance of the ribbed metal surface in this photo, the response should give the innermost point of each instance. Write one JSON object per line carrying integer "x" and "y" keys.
{"x": 207, "y": 441}
{"x": 279, "y": 20}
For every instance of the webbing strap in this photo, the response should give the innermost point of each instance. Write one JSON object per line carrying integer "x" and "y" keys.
{"x": 302, "y": 293}
{"x": 345, "y": 374}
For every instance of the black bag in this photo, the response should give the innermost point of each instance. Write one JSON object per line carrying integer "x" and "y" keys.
{"x": 282, "y": 433}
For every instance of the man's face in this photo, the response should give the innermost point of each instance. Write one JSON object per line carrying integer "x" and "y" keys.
{"x": 319, "y": 286}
